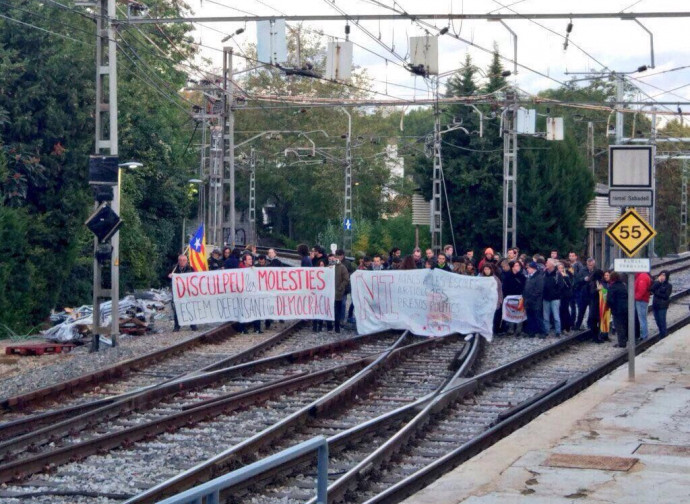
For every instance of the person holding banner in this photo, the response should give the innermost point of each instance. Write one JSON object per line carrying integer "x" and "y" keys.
{"x": 514, "y": 285}
{"x": 489, "y": 270}
{"x": 182, "y": 266}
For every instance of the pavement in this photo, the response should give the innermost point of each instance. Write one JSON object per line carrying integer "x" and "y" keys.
{"x": 617, "y": 442}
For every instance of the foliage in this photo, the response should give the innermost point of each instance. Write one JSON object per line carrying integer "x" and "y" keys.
{"x": 554, "y": 185}
{"x": 306, "y": 190}
{"x": 46, "y": 135}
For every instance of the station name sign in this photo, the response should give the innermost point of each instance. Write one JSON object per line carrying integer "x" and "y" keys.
{"x": 631, "y": 198}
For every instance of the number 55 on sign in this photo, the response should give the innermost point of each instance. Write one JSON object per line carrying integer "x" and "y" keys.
{"x": 631, "y": 232}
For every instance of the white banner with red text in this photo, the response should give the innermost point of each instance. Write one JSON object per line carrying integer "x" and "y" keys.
{"x": 514, "y": 309}
{"x": 247, "y": 294}
{"x": 428, "y": 302}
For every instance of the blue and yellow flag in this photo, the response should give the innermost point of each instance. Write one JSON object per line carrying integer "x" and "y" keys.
{"x": 197, "y": 250}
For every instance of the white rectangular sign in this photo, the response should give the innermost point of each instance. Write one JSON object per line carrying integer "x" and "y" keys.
{"x": 631, "y": 198}
{"x": 428, "y": 302}
{"x": 339, "y": 60}
{"x": 424, "y": 52}
{"x": 630, "y": 166}
{"x": 247, "y": 294}
{"x": 632, "y": 265}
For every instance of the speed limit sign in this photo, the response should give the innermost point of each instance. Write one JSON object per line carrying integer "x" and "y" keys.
{"x": 631, "y": 232}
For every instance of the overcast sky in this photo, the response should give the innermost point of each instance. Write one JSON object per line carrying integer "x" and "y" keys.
{"x": 613, "y": 43}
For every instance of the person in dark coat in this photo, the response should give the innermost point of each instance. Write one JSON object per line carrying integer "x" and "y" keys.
{"x": 233, "y": 262}
{"x": 533, "y": 296}
{"x": 581, "y": 291}
{"x": 442, "y": 263}
{"x": 553, "y": 287}
{"x": 318, "y": 256}
{"x": 661, "y": 289}
{"x": 303, "y": 251}
{"x": 215, "y": 262}
{"x": 342, "y": 284}
{"x": 514, "y": 285}
{"x": 514, "y": 280}
{"x": 272, "y": 259}
{"x": 617, "y": 299}
{"x": 566, "y": 296}
{"x": 182, "y": 266}
{"x": 593, "y": 287}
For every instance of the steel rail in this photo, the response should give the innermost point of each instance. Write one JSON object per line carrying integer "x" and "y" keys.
{"x": 348, "y": 481}
{"x": 465, "y": 359}
{"x": 147, "y": 397}
{"x": 21, "y": 401}
{"x": 242, "y": 399}
{"x": 30, "y": 423}
{"x": 249, "y": 447}
{"x": 518, "y": 417}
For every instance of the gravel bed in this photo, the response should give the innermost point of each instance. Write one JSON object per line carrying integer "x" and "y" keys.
{"x": 26, "y": 373}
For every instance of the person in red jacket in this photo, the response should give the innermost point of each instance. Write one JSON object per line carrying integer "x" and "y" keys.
{"x": 643, "y": 286}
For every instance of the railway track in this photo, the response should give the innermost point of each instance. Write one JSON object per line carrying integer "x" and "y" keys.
{"x": 353, "y": 424}
{"x": 390, "y": 457}
{"x": 672, "y": 264}
{"x": 470, "y": 417}
{"x": 289, "y": 407}
{"x": 128, "y": 378}
{"x": 174, "y": 404}
{"x": 284, "y": 411}
{"x": 153, "y": 367}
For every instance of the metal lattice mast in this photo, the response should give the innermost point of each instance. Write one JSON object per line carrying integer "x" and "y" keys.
{"x": 683, "y": 246}
{"x": 228, "y": 214}
{"x": 252, "y": 197}
{"x": 203, "y": 166}
{"x": 347, "y": 210}
{"x": 510, "y": 150}
{"x": 106, "y": 140}
{"x": 215, "y": 204}
{"x": 436, "y": 201}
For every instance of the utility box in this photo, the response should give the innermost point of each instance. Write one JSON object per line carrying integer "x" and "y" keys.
{"x": 271, "y": 45}
{"x": 554, "y": 128}
{"x": 339, "y": 60}
{"x": 526, "y": 121}
{"x": 424, "y": 52}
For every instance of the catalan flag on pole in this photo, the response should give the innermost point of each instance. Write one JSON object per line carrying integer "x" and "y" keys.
{"x": 197, "y": 250}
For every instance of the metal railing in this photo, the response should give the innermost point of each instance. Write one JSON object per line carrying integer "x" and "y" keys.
{"x": 209, "y": 492}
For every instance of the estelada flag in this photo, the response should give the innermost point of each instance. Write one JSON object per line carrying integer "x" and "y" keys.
{"x": 197, "y": 250}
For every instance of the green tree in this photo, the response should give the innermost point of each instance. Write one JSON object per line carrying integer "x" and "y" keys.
{"x": 47, "y": 105}
{"x": 554, "y": 185}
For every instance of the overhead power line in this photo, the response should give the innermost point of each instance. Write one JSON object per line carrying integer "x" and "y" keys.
{"x": 410, "y": 17}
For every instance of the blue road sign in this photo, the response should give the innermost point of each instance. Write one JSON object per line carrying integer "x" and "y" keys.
{"x": 347, "y": 224}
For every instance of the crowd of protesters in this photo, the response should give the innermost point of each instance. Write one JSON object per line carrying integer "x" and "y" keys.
{"x": 557, "y": 292}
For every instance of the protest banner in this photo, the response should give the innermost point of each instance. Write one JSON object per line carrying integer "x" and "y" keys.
{"x": 428, "y": 302}
{"x": 513, "y": 310}
{"x": 248, "y": 294}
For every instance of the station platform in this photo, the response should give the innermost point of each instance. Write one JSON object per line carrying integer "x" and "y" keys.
{"x": 618, "y": 441}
